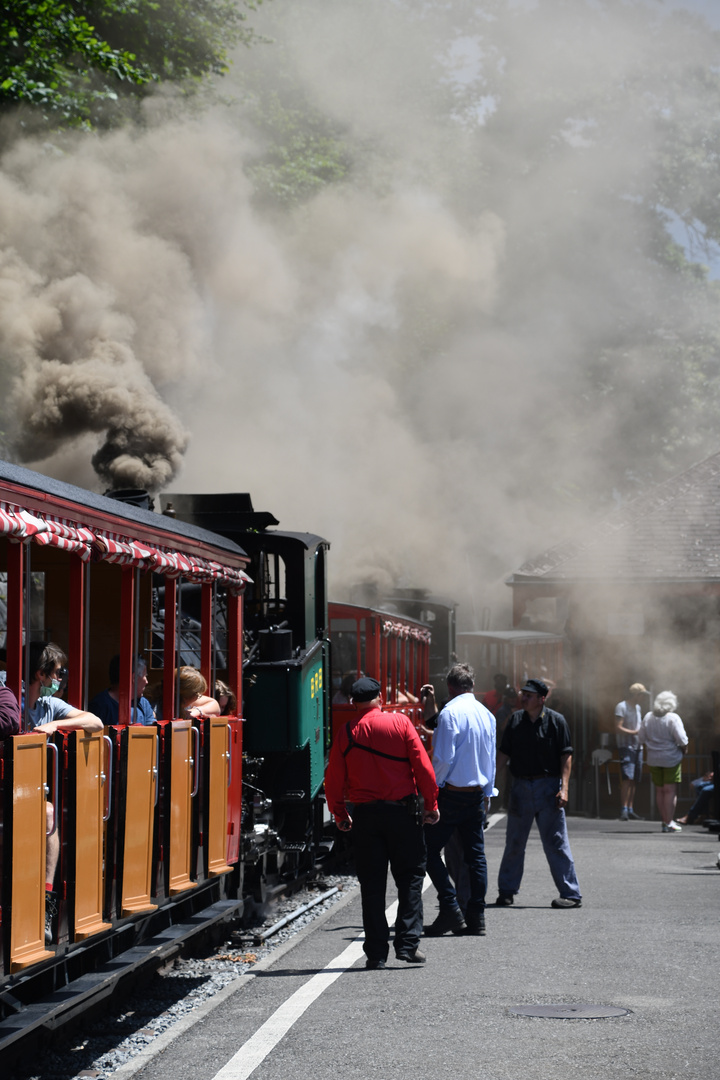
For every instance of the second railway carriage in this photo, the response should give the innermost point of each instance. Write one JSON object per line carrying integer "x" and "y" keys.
{"x": 392, "y": 648}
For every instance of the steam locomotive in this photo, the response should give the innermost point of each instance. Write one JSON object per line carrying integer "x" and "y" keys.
{"x": 173, "y": 826}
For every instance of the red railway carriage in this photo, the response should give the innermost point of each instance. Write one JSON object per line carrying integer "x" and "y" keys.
{"x": 391, "y": 648}
{"x": 148, "y": 815}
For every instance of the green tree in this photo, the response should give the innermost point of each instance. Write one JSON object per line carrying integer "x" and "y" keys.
{"x": 73, "y": 59}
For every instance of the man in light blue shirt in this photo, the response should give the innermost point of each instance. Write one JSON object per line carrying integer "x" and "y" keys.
{"x": 464, "y": 763}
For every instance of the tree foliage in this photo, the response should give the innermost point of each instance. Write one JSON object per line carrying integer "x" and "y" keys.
{"x": 72, "y": 58}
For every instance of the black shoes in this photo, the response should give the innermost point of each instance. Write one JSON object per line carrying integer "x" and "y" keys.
{"x": 374, "y": 965}
{"x": 51, "y": 910}
{"x": 565, "y": 902}
{"x": 414, "y": 957}
{"x": 475, "y": 924}
{"x": 504, "y": 900}
{"x": 448, "y": 919}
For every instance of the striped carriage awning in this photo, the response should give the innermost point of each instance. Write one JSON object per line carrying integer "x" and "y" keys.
{"x": 97, "y": 545}
{"x": 403, "y": 630}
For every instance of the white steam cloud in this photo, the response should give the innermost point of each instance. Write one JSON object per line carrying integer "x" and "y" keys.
{"x": 399, "y": 363}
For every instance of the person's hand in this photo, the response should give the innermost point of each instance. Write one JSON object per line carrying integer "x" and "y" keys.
{"x": 344, "y": 824}
{"x": 561, "y": 799}
{"x": 431, "y": 817}
{"x": 50, "y": 728}
{"x": 427, "y": 691}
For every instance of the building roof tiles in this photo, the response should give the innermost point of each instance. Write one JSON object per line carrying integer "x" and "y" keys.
{"x": 671, "y": 533}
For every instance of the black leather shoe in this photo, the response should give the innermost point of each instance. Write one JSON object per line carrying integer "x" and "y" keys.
{"x": 566, "y": 902}
{"x": 414, "y": 957}
{"x": 374, "y": 965}
{"x": 504, "y": 900}
{"x": 448, "y": 919}
{"x": 475, "y": 925}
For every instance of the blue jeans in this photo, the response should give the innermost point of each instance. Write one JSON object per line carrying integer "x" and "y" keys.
{"x": 534, "y": 800}
{"x": 704, "y": 790}
{"x": 464, "y": 811}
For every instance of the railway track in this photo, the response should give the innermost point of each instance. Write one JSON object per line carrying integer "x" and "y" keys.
{"x": 104, "y": 1034}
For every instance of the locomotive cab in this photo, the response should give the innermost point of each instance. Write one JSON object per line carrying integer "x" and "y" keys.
{"x": 285, "y": 676}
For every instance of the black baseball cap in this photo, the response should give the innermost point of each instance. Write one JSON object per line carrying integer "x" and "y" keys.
{"x": 364, "y": 689}
{"x": 535, "y": 686}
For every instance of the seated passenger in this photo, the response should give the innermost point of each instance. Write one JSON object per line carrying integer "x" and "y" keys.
{"x": 226, "y": 698}
{"x": 50, "y": 714}
{"x": 106, "y": 704}
{"x": 342, "y": 694}
{"x": 194, "y": 700}
{"x": 9, "y": 713}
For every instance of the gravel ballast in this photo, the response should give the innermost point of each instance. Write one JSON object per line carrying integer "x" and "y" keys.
{"x": 128, "y": 1028}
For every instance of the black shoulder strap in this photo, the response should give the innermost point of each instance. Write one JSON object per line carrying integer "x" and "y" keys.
{"x": 369, "y": 749}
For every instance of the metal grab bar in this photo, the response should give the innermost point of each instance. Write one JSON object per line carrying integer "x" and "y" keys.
{"x": 156, "y": 768}
{"x": 56, "y": 786}
{"x": 108, "y": 776}
{"x": 229, "y": 755}
{"x": 195, "y": 760}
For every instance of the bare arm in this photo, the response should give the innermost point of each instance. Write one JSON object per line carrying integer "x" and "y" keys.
{"x": 73, "y": 721}
{"x": 429, "y": 704}
{"x": 565, "y": 770}
{"x": 204, "y": 706}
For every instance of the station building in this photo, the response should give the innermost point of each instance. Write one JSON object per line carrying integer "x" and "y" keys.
{"x": 636, "y": 598}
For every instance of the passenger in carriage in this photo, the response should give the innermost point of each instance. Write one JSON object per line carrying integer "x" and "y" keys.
{"x": 194, "y": 700}
{"x": 48, "y": 713}
{"x": 106, "y": 704}
{"x": 9, "y": 713}
{"x": 226, "y": 698}
{"x": 342, "y": 694}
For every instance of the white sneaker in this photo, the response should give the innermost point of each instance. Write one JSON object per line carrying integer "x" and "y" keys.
{"x": 672, "y": 827}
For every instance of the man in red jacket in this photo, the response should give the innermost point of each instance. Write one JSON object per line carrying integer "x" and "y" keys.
{"x": 377, "y": 767}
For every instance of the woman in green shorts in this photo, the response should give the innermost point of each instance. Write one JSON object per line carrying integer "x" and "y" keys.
{"x": 664, "y": 736}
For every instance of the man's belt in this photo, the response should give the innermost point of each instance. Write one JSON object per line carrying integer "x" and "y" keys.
{"x": 385, "y": 802}
{"x": 453, "y": 787}
{"x": 535, "y": 776}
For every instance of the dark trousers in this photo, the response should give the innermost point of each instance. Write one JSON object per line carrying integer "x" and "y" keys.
{"x": 464, "y": 811}
{"x": 385, "y": 834}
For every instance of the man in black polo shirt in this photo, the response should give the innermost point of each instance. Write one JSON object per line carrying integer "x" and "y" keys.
{"x": 536, "y": 743}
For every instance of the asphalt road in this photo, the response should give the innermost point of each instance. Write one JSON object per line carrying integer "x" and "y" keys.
{"x": 645, "y": 940}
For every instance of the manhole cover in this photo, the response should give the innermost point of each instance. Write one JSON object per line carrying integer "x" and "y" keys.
{"x": 569, "y": 1012}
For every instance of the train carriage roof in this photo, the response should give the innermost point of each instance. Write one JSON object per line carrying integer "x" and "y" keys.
{"x": 48, "y": 496}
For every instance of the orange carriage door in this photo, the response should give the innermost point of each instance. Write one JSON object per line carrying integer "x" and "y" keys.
{"x": 217, "y": 742}
{"x": 141, "y": 784}
{"x": 26, "y": 756}
{"x": 184, "y": 765}
{"x": 87, "y": 755}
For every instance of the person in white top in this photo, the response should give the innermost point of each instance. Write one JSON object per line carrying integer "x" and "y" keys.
{"x": 628, "y": 717}
{"x": 666, "y": 742}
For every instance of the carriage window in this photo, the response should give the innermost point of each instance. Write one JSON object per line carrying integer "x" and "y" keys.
{"x": 37, "y": 607}
{"x": 348, "y": 650}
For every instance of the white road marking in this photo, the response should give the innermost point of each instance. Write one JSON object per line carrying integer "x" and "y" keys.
{"x": 253, "y": 1052}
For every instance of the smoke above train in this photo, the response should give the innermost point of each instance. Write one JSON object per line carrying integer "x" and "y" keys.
{"x": 477, "y": 332}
